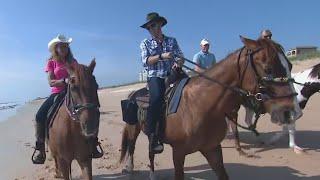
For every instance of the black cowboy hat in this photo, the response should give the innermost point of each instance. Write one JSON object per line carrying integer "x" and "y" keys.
{"x": 154, "y": 17}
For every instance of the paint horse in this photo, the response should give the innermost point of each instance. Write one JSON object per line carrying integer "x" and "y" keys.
{"x": 307, "y": 84}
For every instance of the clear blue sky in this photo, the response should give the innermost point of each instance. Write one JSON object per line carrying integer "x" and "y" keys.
{"x": 109, "y": 30}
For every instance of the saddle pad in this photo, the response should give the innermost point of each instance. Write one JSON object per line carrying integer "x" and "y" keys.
{"x": 175, "y": 100}
{"x": 58, "y": 101}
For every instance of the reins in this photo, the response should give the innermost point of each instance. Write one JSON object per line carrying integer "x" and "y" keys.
{"x": 74, "y": 109}
{"x": 253, "y": 101}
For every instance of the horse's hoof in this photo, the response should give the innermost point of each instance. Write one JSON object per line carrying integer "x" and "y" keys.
{"x": 127, "y": 171}
{"x": 298, "y": 150}
{"x": 58, "y": 176}
{"x": 152, "y": 176}
{"x": 248, "y": 155}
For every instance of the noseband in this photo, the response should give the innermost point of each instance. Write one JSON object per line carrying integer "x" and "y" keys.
{"x": 263, "y": 81}
{"x": 74, "y": 109}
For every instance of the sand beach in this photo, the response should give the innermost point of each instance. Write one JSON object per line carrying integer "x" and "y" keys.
{"x": 275, "y": 161}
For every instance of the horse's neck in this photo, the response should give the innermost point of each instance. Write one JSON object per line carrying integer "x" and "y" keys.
{"x": 303, "y": 76}
{"x": 225, "y": 72}
{"x": 305, "y": 92}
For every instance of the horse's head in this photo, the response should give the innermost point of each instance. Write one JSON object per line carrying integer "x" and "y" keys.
{"x": 269, "y": 78}
{"x": 83, "y": 97}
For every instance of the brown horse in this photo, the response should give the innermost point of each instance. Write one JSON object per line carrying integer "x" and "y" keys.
{"x": 233, "y": 117}
{"x": 200, "y": 121}
{"x": 76, "y": 123}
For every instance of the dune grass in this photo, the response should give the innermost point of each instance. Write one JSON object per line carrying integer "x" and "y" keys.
{"x": 305, "y": 56}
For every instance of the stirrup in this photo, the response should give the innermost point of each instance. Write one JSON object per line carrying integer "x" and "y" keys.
{"x": 39, "y": 160}
{"x": 157, "y": 148}
{"x": 101, "y": 151}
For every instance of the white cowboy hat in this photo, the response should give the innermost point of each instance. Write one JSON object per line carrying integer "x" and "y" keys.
{"x": 59, "y": 39}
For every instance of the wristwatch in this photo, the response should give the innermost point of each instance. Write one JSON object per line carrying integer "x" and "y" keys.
{"x": 160, "y": 57}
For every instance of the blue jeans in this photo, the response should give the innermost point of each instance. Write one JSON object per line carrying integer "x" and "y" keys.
{"x": 41, "y": 118}
{"x": 156, "y": 104}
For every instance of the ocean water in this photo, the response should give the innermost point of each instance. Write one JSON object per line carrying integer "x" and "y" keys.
{"x": 8, "y": 109}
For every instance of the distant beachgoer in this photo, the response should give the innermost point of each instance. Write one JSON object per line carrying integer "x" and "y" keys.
{"x": 57, "y": 73}
{"x": 204, "y": 58}
{"x": 266, "y": 34}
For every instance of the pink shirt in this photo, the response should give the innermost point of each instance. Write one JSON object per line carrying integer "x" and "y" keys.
{"x": 60, "y": 72}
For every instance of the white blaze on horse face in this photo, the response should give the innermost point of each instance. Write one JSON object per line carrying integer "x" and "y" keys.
{"x": 297, "y": 111}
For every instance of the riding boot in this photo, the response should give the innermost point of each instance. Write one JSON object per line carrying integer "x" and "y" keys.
{"x": 39, "y": 155}
{"x": 154, "y": 145}
{"x": 95, "y": 152}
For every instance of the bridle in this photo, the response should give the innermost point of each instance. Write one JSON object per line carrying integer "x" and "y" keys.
{"x": 263, "y": 81}
{"x": 74, "y": 109}
{"x": 252, "y": 100}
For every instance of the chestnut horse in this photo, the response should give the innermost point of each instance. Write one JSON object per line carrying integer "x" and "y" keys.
{"x": 307, "y": 83}
{"x": 76, "y": 122}
{"x": 200, "y": 121}
{"x": 250, "y": 113}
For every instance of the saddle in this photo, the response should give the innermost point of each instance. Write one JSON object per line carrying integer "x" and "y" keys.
{"x": 134, "y": 109}
{"x": 172, "y": 97}
{"x": 53, "y": 111}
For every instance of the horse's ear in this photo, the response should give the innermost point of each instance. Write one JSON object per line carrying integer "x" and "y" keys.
{"x": 92, "y": 65}
{"x": 249, "y": 43}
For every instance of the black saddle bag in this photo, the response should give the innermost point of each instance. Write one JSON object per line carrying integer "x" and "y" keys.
{"x": 129, "y": 111}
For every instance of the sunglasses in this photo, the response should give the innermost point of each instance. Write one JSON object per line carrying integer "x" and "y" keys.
{"x": 154, "y": 26}
{"x": 269, "y": 37}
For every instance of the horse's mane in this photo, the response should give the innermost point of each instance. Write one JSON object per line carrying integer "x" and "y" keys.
{"x": 79, "y": 69}
{"x": 315, "y": 71}
{"x": 83, "y": 73}
{"x": 267, "y": 43}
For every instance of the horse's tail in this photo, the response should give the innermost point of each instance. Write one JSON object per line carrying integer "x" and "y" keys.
{"x": 124, "y": 143}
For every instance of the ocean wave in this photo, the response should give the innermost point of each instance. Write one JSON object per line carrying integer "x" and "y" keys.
{"x": 4, "y": 106}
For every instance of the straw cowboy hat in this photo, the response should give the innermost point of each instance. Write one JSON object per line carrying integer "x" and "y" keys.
{"x": 59, "y": 39}
{"x": 154, "y": 17}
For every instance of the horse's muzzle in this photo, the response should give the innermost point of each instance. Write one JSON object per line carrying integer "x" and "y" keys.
{"x": 285, "y": 116}
{"x": 90, "y": 128}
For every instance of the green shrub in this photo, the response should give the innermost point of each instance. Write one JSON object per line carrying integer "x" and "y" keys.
{"x": 305, "y": 56}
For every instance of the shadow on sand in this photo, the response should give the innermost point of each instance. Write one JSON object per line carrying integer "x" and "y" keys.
{"x": 235, "y": 171}
{"x": 309, "y": 140}
{"x": 306, "y": 139}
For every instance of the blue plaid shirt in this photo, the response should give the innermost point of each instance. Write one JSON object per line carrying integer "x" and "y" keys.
{"x": 150, "y": 47}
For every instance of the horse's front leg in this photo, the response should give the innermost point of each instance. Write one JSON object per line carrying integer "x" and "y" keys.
{"x": 65, "y": 168}
{"x": 151, "y": 158}
{"x": 58, "y": 173}
{"x": 292, "y": 143}
{"x": 178, "y": 160}
{"x": 215, "y": 160}
{"x": 86, "y": 168}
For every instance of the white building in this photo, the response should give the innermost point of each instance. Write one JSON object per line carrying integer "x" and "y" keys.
{"x": 143, "y": 76}
{"x": 301, "y": 50}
